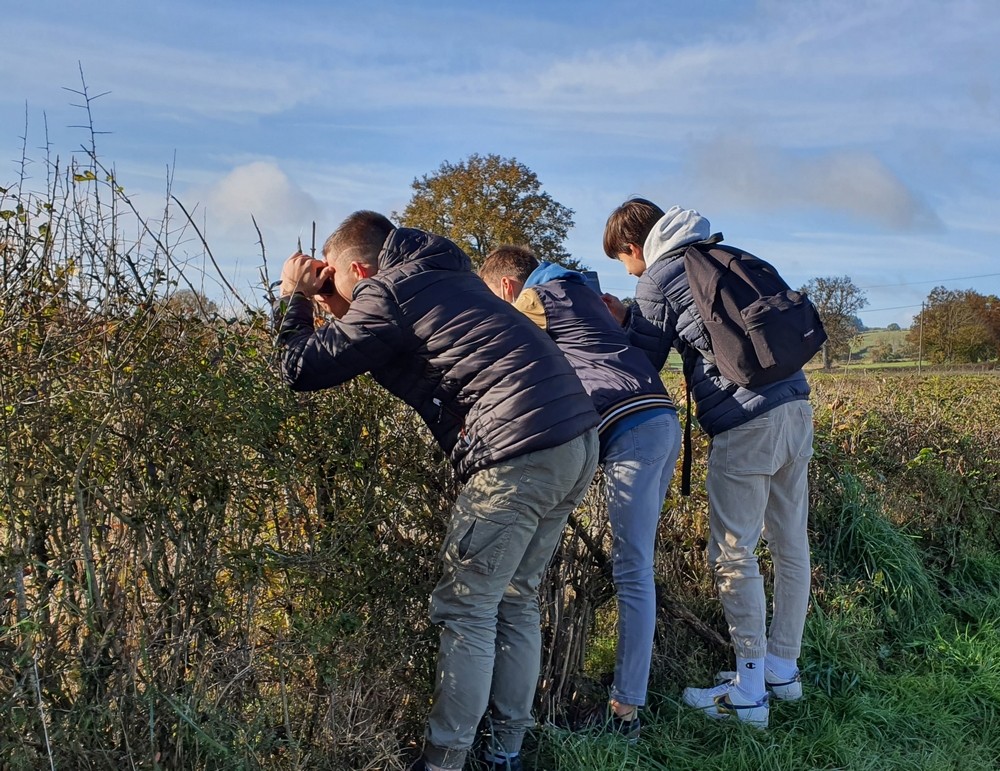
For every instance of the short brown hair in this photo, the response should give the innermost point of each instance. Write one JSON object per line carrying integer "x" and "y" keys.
{"x": 630, "y": 223}
{"x": 363, "y": 233}
{"x": 517, "y": 262}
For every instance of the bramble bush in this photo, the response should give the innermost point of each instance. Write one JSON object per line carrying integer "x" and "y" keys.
{"x": 201, "y": 569}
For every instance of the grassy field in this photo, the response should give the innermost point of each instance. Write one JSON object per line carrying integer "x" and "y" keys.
{"x": 865, "y": 347}
{"x": 901, "y": 658}
{"x": 861, "y": 353}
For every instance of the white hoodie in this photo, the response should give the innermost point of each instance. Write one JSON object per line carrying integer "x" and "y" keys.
{"x": 675, "y": 229}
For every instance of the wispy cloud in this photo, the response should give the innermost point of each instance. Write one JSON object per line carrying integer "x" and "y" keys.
{"x": 179, "y": 80}
{"x": 735, "y": 171}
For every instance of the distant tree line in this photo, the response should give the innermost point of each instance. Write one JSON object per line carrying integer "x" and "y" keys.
{"x": 957, "y": 325}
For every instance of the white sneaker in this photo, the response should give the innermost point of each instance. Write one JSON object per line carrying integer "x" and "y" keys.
{"x": 783, "y": 690}
{"x": 723, "y": 701}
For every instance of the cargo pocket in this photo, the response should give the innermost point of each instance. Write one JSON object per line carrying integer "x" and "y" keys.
{"x": 479, "y": 541}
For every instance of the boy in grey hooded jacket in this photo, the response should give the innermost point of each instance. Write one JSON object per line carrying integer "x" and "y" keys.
{"x": 757, "y": 469}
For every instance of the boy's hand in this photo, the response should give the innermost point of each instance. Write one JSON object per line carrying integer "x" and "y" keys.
{"x": 301, "y": 273}
{"x": 616, "y": 307}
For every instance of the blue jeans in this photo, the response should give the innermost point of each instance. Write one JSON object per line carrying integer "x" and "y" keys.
{"x": 505, "y": 525}
{"x": 638, "y": 466}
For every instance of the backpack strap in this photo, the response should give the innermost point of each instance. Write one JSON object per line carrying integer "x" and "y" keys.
{"x": 702, "y": 248}
{"x": 686, "y": 461}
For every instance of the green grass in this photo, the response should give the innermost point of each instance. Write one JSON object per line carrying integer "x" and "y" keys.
{"x": 901, "y": 652}
{"x": 931, "y": 704}
{"x": 872, "y": 336}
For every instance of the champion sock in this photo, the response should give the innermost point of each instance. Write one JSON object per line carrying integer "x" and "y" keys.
{"x": 750, "y": 678}
{"x": 783, "y": 669}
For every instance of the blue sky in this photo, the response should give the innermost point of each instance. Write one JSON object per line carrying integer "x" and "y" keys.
{"x": 831, "y": 137}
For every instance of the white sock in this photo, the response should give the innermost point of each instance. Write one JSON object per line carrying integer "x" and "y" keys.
{"x": 750, "y": 678}
{"x": 783, "y": 669}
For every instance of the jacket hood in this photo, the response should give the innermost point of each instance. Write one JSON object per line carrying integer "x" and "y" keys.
{"x": 547, "y": 271}
{"x": 678, "y": 227}
{"x": 405, "y": 245}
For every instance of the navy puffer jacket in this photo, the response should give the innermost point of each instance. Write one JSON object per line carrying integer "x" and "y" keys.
{"x": 487, "y": 382}
{"x": 665, "y": 316}
{"x": 618, "y": 376}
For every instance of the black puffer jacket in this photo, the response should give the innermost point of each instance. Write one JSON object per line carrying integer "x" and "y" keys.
{"x": 489, "y": 384}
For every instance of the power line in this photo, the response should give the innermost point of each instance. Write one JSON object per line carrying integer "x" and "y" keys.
{"x": 894, "y": 308}
{"x": 933, "y": 281}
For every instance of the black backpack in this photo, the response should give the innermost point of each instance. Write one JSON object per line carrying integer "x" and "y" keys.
{"x": 761, "y": 329}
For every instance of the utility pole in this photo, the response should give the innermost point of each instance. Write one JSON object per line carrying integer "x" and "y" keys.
{"x": 920, "y": 345}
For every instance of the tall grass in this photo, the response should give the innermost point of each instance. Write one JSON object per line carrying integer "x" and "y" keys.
{"x": 878, "y": 557}
{"x": 901, "y": 650}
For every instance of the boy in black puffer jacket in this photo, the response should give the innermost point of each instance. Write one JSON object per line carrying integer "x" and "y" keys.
{"x": 502, "y": 401}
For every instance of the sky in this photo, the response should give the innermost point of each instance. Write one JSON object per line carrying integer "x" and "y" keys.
{"x": 829, "y": 137}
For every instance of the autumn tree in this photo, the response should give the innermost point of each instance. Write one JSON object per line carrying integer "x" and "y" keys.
{"x": 957, "y": 326}
{"x": 486, "y": 201}
{"x": 838, "y": 301}
{"x": 190, "y": 303}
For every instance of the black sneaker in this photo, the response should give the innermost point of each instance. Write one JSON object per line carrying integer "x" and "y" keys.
{"x": 627, "y": 729}
{"x": 511, "y": 764}
{"x": 418, "y": 765}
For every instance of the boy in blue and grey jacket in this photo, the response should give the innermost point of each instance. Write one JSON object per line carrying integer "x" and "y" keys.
{"x": 639, "y": 442}
{"x": 758, "y": 464}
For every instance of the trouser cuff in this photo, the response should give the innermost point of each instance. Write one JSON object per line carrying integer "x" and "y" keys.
{"x": 751, "y": 651}
{"x": 506, "y": 743}
{"x": 444, "y": 758}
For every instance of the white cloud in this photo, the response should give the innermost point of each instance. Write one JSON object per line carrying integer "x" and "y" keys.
{"x": 259, "y": 189}
{"x": 737, "y": 171}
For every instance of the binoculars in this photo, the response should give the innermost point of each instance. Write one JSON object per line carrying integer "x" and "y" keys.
{"x": 327, "y": 286}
